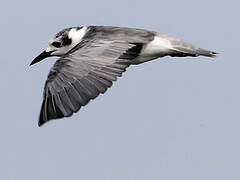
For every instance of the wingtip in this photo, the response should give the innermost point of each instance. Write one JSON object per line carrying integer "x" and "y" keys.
{"x": 42, "y": 117}
{"x": 40, "y": 123}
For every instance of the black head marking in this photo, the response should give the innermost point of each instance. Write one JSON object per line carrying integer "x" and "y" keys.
{"x": 66, "y": 41}
{"x": 62, "y": 32}
{"x": 56, "y": 44}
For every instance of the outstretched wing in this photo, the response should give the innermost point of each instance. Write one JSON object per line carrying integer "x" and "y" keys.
{"x": 86, "y": 71}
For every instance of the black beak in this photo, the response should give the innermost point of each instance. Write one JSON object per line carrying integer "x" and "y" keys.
{"x": 41, "y": 56}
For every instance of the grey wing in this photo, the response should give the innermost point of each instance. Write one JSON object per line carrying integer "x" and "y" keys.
{"x": 83, "y": 74}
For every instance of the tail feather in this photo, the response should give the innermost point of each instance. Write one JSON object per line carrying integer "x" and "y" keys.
{"x": 182, "y": 51}
{"x": 180, "y": 48}
{"x": 203, "y": 52}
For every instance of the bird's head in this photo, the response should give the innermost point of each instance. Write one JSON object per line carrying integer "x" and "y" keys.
{"x": 62, "y": 43}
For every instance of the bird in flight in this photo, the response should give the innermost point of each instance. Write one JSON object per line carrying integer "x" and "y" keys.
{"x": 92, "y": 57}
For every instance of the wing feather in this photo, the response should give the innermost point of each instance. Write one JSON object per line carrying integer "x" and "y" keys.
{"x": 89, "y": 69}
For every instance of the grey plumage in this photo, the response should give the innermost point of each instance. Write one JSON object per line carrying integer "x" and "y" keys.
{"x": 89, "y": 69}
{"x": 91, "y": 66}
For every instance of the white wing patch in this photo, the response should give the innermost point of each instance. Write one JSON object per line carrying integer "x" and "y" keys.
{"x": 77, "y": 35}
{"x": 158, "y": 47}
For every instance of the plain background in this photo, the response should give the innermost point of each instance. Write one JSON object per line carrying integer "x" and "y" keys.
{"x": 172, "y": 118}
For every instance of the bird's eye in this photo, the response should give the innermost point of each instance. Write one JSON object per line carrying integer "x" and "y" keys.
{"x": 56, "y": 44}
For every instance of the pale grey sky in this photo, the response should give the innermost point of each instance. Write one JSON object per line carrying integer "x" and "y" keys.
{"x": 172, "y": 118}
